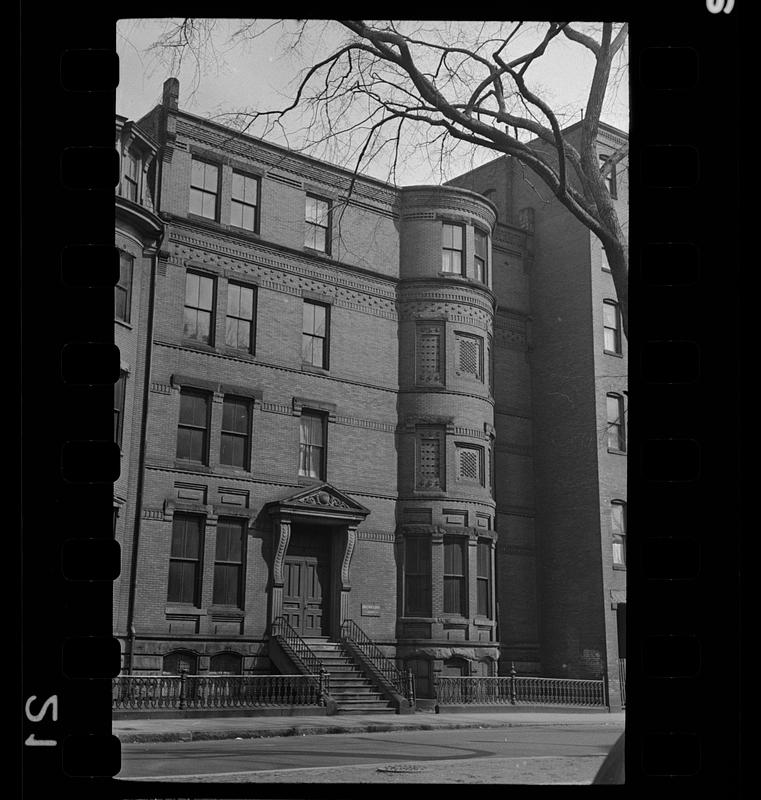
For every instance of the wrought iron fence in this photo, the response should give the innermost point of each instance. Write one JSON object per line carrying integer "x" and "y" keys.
{"x": 357, "y": 640}
{"x": 515, "y": 690}
{"x": 178, "y": 692}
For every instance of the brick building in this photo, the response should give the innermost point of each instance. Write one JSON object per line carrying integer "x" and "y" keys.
{"x": 340, "y": 380}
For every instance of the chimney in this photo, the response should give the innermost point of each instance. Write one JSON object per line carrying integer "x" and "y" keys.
{"x": 171, "y": 96}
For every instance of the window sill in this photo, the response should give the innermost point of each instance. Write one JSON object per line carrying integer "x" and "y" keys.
{"x": 455, "y": 619}
{"x": 230, "y": 611}
{"x": 123, "y": 324}
{"x": 616, "y": 452}
{"x": 231, "y": 469}
{"x": 620, "y": 567}
{"x": 196, "y": 466}
{"x": 201, "y": 218}
{"x": 305, "y": 367}
{"x": 613, "y": 353}
{"x": 196, "y": 345}
{"x": 184, "y": 608}
{"x": 303, "y": 480}
{"x": 484, "y": 622}
{"x": 316, "y": 251}
{"x": 246, "y": 355}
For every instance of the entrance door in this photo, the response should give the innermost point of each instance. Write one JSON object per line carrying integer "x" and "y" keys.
{"x": 306, "y": 590}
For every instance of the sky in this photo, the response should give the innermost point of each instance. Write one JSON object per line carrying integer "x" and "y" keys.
{"x": 261, "y": 75}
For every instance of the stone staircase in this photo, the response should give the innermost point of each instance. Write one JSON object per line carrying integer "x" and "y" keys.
{"x": 352, "y": 691}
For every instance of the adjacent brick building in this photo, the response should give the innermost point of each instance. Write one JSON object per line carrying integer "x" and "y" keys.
{"x": 349, "y": 416}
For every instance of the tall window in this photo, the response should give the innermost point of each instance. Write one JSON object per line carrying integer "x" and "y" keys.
{"x": 228, "y": 563}
{"x": 244, "y": 200}
{"x": 611, "y": 327}
{"x": 417, "y": 577}
{"x": 185, "y": 559}
{"x": 193, "y": 429}
{"x": 483, "y": 579}
{"x": 123, "y": 289}
{"x": 454, "y": 575}
{"x": 131, "y": 182}
{"x": 239, "y": 328}
{"x": 616, "y": 429}
{"x": 204, "y": 185}
{"x": 317, "y": 232}
{"x": 618, "y": 530}
{"x": 451, "y": 243}
{"x": 480, "y": 257}
{"x": 199, "y": 308}
{"x": 609, "y": 177}
{"x": 119, "y": 393}
{"x": 314, "y": 340}
{"x": 312, "y": 445}
{"x": 236, "y": 427}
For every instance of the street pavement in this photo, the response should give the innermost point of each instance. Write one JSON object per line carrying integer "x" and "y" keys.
{"x": 156, "y": 729}
{"x": 538, "y": 748}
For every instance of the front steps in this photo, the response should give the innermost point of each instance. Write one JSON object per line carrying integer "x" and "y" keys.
{"x": 352, "y": 691}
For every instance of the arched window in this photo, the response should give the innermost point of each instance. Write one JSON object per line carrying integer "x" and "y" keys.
{"x": 180, "y": 661}
{"x": 226, "y": 664}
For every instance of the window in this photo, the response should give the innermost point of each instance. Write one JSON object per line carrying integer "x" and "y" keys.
{"x": 199, "y": 308}
{"x": 609, "y": 177}
{"x": 244, "y": 201}
{"x": 618, "y": 531}
{"x": 236, "y": 427}
{"x": 604, "y": 259}
{"x": 185, "y": 559}
{"x": 120, "y": 388}
{"x": 204, "y": 183}
{"x": 131, "y": 182}
{"x": 428, "y": 467}
{"x": 317, "y": 232}
{"x": 490, "y": 363}
{"x": 470, "y": 464}
{"x": 239, "y": 328}
{"x": 454, "y": 575}
{"x": 616, "y": 430}
{"x": 611, "y": 327}
{"x": 180, "y": 661}
{"x": 228, "y": 563}
{"x": 417, "y": 577}
{"x": 483, "y": 579}
{"x": 470, "y": 356}
{"x": 480, "y": 257}
{"x": 312, "y": 445}
{"x": 226, "y": 664}
{"x": 428, "y": 356}
{"x": 451, "y": 248}
{"x": 123, "y": 289}
{"x": 193, "y": 429}
{"x": 314, "y": 340}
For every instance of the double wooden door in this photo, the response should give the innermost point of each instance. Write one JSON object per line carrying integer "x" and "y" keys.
{"x": 306, "y": 590}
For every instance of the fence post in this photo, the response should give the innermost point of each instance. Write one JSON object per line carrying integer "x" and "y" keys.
{"x": 512, "y": 683}
{"x": 410, "y": 687}
{"x": 183, "y": 674}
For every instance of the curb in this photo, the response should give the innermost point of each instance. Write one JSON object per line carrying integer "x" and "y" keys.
{"x": 315, "y": 730}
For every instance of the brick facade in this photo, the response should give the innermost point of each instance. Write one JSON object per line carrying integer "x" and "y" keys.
{"x": 433, "y": 399}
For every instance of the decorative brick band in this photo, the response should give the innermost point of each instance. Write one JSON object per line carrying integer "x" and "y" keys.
{"x": 377, "y": 536}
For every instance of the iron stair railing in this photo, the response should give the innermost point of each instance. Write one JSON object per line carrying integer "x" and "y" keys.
{"x": 301, "y": 654}
{"x": 358, "y": 642}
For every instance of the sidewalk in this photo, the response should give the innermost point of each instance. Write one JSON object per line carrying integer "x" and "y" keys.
{"x": 185, "y": 730}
